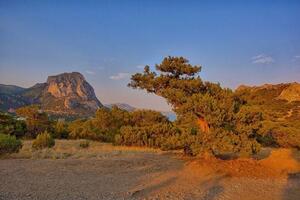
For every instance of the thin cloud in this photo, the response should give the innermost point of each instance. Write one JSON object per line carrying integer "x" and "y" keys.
{"x": 262, "y": 59}
{"x": 119, "y": 76}
{"x": 296, "y": 57}
{"x": 90, "y": 72}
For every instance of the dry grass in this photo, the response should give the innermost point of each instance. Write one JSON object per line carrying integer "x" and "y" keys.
{"x": 276, "y": 163}
{"x": 71, "y": 149}
{"x": 142, "y": 173}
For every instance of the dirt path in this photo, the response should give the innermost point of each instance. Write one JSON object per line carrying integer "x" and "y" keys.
{"x": 136, "y": 175}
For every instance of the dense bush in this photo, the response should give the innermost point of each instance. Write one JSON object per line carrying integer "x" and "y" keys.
{"x": 146, "y": 118}
{"x": 60, "y": 130}
{"x": 160, "y": 135}
{"x": 43, "y": 140}
{"x": 107, "y": 123}
{"x": 82, "y": 129}
{"x": 9, "y": 144}
{"x": 11, "y": 125}
{"x": 37, "y": 121}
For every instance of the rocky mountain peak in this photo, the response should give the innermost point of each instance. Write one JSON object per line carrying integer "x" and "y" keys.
{"x": 70, "y": 85}
{"x": 62, "y": 94}
{"x": 73, "y": 91}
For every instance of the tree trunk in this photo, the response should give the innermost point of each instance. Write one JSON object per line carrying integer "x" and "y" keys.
{"x": 203, "y": 125}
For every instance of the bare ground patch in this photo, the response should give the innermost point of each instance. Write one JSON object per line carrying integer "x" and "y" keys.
{"x": 103, "y": 171}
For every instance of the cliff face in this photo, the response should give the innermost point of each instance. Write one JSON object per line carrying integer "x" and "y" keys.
{"x": 63, "y": 94}
{"x": 72, "y": 91}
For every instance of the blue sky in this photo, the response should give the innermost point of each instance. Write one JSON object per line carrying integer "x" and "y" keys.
{"x": 236, "y": 42}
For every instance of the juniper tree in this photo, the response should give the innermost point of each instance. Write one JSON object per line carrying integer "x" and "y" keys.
{"x": 179, "y": 82}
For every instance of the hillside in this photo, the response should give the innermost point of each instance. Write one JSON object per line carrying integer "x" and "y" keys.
{"x": 280, "y": 105}
{"x": 10, "y": 89}
{"x": 170, "y": 114}
{"x": 123, "y": 106}
{"x": 63, "y": 94}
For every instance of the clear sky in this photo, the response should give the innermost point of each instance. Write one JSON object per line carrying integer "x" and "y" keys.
{"x": 236, "y": 42}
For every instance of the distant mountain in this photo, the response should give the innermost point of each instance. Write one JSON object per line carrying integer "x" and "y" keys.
{"x": 63, "y": 94}
{"x": 123, "y": 106}
{"x": 170, "y": 114}
{"x": 10, "y": 89}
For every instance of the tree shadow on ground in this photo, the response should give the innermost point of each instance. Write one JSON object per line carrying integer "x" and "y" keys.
{"x": 214, "y": 188}
{"x": 152, "y": 188}
{"x": 292, "y": 189}
{"x": 264, "y": 153}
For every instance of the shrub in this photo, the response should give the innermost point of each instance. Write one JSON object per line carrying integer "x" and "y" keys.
{"x": 11, "y": 126}
{"x": 43, "y": 140}
{"x": 60, "y": 130}
{"x": 37, "y": 120}
{"x": 147, "y": 118}
{"x": 159, "y": 135}
{"x": 9, "y": 144}
{"x": 84, "y": 144}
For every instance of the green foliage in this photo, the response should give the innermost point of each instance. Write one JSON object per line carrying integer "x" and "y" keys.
{"x": 284, "y": 134}
{"x": 280, "y": 125}
{"x": 232, "y": 126}
{"x": 84, "y": 144}
{"x": 60, "y": 130}
{"x": 82, "y": 129}
{"x": 11, "y": 125}
{"x": 43, "y": 140}
{"x": 107, "y": 123}
{"x": 36, "y": 120}
{"x": 9, "y": 144}
{"x": 160, "y": 135}
{"x": 146, "y": 118}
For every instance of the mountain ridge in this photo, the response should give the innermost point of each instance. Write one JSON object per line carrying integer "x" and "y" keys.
{"x": 62, "y": 94}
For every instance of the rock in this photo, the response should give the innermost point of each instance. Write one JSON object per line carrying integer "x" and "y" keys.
{"x": 63, "y": 94}
{"x": 291, "y": 93}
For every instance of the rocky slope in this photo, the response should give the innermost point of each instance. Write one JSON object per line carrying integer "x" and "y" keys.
{"x": 63, "y": 94}
{"x": 291, "y": 93}
{"x": 282, "y": 99}
{"x": 285, "y": 91}
{"x": 280, "y": 108}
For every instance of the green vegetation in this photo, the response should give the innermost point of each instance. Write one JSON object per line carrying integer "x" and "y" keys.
{"x": 60, "y": 130}
{"x": 280, "y": 124}
{"x": 157, "y": 135}
{"x": 37, "y": 121}
{"x": 210, "y": 119}
{"x": 43, "y": 140}
{"x": 9, "y": 144}
{"x": 11, "y": 125}
{"x": 226, "y": 124}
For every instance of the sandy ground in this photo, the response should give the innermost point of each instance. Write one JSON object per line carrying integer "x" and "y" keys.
{"x": 106, "y": 172}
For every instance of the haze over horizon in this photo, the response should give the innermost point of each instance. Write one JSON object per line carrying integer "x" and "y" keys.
{"x": 237, "y": 43}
